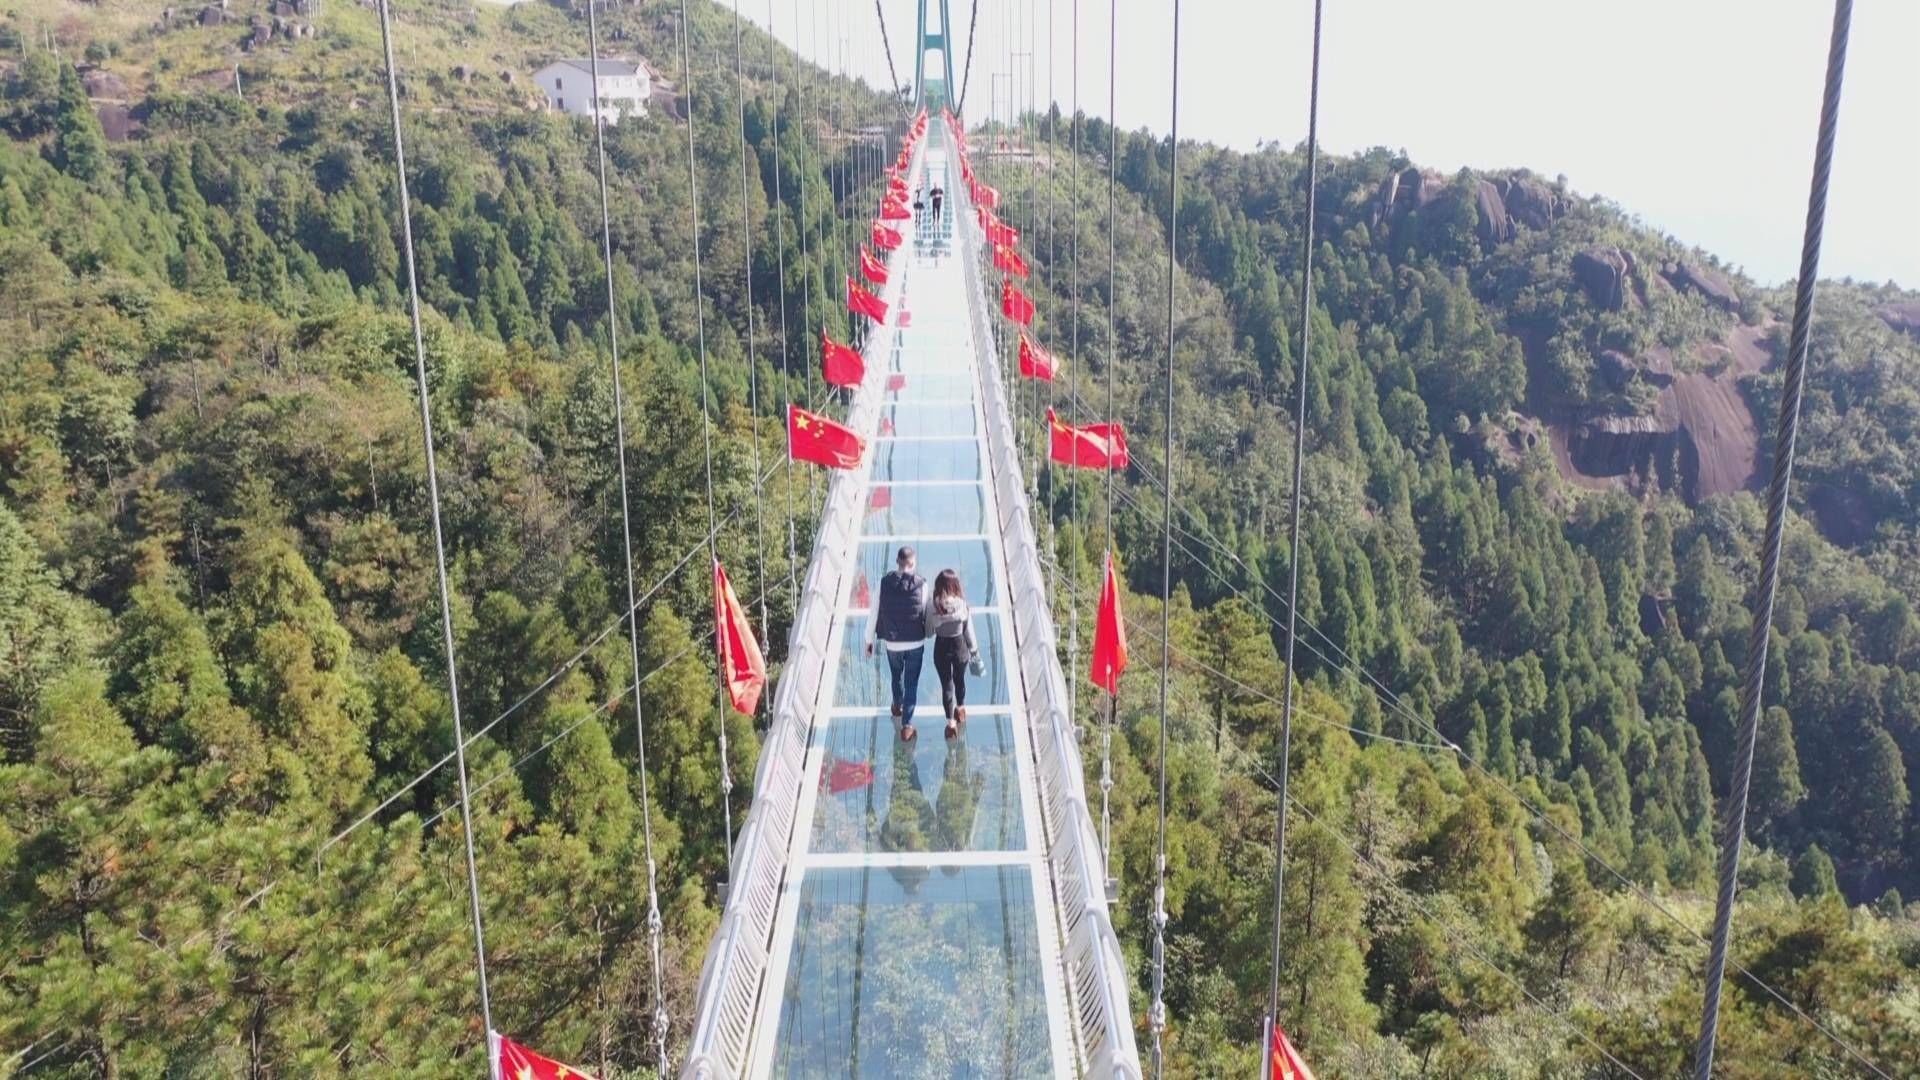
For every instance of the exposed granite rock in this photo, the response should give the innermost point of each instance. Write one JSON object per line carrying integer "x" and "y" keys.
{"x": 212, "y": 16}
{"x": 1619, "y": 369}
{"x": 1529, "y": 202}
{"x": 1691, "y": 276}
{"x": 116, "y": 121}
{"x": 1603, "y": 273}
{"x": 103, "y": 85}
{"x": 1903, "y": 315}
{"x": 1616, "y": 367}
{"x": 1405, "y": 191}
{"x": 1494, "y": 226}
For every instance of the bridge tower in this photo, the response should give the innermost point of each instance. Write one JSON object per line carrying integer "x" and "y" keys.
{"x": 936, "y": 93}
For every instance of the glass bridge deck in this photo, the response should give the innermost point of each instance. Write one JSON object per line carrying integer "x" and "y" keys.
{"x": 917, "y": 936}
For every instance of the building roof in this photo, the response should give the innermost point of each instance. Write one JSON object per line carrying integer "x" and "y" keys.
{"x": 608, "y": 68}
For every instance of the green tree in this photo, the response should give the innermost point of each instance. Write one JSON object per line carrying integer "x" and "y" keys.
{"x": 79, "y": 146}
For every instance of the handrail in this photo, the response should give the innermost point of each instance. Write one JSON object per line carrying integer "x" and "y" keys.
{"x": 733, "y": 975}
{"x": 1096, "y": 972}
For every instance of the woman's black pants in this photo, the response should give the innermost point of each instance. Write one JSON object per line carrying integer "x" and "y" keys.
{"x": 950, "y": 663}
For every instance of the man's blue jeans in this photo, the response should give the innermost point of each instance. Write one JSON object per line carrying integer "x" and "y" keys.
{"x": 904, "y": 665}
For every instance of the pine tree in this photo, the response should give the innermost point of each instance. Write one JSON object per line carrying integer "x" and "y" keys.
{"x": 293, "y": 671}
{"x": 79, "y": 145}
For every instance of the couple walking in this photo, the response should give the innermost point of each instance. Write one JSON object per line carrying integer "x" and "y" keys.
{"x": 905, "y": 615}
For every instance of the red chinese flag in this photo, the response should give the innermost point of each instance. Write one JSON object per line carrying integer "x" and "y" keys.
{"x": 1096, "y": 446}
{"x": 886, "y": 426}
{"x": 896, "y": 382}
{"x": 511, "y": 1061}
{"x": 741, "y": 667}
{"x": 885, "y": 237}
{"x": 1286, "y": 1060}
{"x": 1015, "y": 304}
{"x": 815, "y": 438}
{"x": 873, "y": 269}
{"x": 842, "y": 365}
{"x": 990, "y": 196}
{"x": 1109, "y": 636}
{"x": 1001, "y": 233}
{"x": 1005, "y": 258}
{"x": 981, "y": 214}
{"x": 1035, "y": 362}
{"x": 904, "y": 320}
{"x": 862, "y": 302}
{"x": 894, "y": 210}
{"x": 880, "y": 498}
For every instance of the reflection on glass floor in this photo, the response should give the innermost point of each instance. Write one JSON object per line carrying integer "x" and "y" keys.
{"x": 913, "y": 459}
{"x": 879, "y": 794}
{"x": 915, "y": 972}
{"x": 864, "y": 680}
{"x": 967, "y": 557}
{"x": 898, "y": 510}
{"x": 915, "y": 386}
{"x": 932, "y": 418}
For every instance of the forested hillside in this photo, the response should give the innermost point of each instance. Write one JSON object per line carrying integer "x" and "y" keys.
{"x": 221, "y": 638}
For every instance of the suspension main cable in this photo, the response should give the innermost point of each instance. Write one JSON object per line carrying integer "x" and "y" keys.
{"x": 1157, "y": 1014}
{"x": 706, "y": 408}
{"x": 433, "y": 501}
{"x": 1283, "y": 764}
{"x": 655, "y": 925}
{"x": 1733, "y": 828}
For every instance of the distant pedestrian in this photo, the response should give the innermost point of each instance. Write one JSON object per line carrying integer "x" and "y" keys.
{"x": 899, "y": 621}
{"x": 955, "y": 652}
{"x": 938, "y": 196}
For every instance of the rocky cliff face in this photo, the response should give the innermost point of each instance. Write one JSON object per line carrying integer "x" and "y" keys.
{"x": 1604, "y": 272}
{"x": 1903, "y": 316}
{"x": 1700, "y": 421}
{"x": 1688, "y": 276}
{"x": 1505, "y": 204}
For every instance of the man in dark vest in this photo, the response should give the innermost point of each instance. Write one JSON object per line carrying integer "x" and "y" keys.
{"x": 899, "y": 624}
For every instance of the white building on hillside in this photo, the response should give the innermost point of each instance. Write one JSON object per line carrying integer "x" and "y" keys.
{"x": 624, "y": 88}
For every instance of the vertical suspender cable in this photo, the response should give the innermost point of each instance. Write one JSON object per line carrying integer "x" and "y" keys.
{"x": 1293, "y": 535}
{"x": 433, "y": 502}
{"x": 753, "y": 361}
{"x": 706, "y": 393}
{"x": 786, "y": 372}
{"x": 1157, "y": 1017}
{"x": 1042, "y": 467}
{"x": 1113, "y": 359}
{"x": 654, "y": 924}
{"x": 1073, "y": 393}
{"x": 803, "y": 223}
{"x": 1733, "y": 828}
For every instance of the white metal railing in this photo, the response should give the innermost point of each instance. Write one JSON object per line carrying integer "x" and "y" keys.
{"x": 1096, "y": 973}
{"x": 733, "y": 976}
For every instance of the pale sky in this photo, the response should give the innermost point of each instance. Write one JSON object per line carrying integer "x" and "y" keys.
{"x": 1698, "y": 116}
